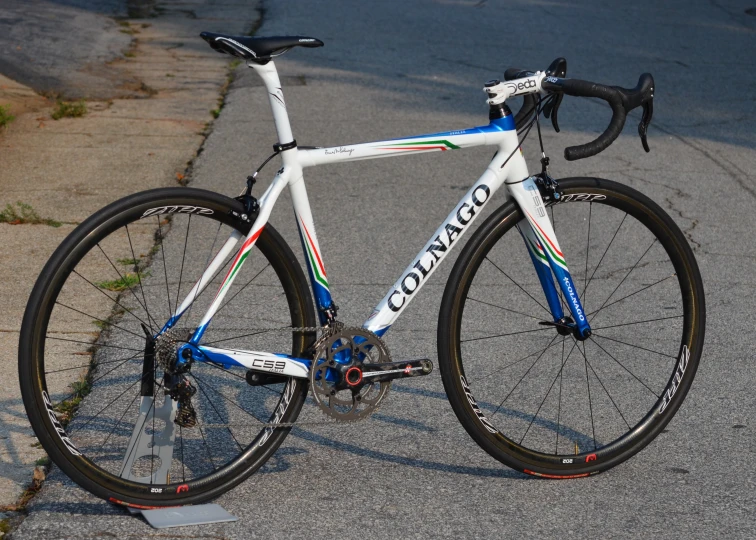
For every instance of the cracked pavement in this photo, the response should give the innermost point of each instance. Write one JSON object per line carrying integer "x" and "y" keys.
{"x": 398, "y": 68}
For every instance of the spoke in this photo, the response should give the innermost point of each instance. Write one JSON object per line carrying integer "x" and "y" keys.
{"x": 99, "y": 378}
{"x": 117, "y": 423}
{"x": 165, "y": 268}
{"x": 604, "y": 387}
{"x": 639, "y": 322}
{"x": 626, "y": 275}
{"x": 245, "y": 286}
{"x": 510, "y": 334}
{"x": 183, "y": 470}
{"x": 84, "y": 365}
{"x": 622, "y": 366}
{"x": 590, "y": 405}
{"x": 523, "y": 377}
{"x": 632, "y": 294}
{"x": 183, "y": 258}
{"x": 604, "y": 255}
{"x": 539, "y": 351}
{"x": 227, "y": 399}
{"x": 98, "y": 319}
{"x": 519, "y": 286}
{"x": 220, "y": 418}
{"x": 207, "y": 448}
{"x": 93, "y": 344}
{"x": 78, "y": 428}
{"x": 505, "y": 309}
{"x": 559, "y": 410}
{"x": 634, "y": 346}
{"x": 558, "y": 375}
{"x": 120, "y": 276}
{"x": 127, "y": 310}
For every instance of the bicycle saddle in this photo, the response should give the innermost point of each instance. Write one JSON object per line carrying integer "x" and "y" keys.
{"x": 257, "y": 49}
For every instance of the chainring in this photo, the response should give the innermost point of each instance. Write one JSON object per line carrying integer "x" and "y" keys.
{"x": 339, "y": 351}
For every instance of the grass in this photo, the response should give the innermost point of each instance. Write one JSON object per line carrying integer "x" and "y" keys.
{"x": 127, "y": 262}
{"x": 5, "y": 116}
{"x": 127, "y": 281}
{"x": 69, "y": 109}
{"x": 24, "y": 214}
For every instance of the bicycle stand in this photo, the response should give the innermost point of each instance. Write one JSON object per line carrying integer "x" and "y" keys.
{"x": 159, "y": 445}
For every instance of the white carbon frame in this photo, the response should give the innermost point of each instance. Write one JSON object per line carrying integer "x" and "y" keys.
{"x": 507, "y": 166}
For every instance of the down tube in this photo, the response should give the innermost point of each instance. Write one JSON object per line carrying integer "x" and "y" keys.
{"x": 439, "y": 246}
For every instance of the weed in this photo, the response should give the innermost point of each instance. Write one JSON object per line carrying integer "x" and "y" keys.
{"x": 147, "y": 89}
{"x": 169, "y": 75}
{"x": 234, "y": 63}
{"x": 4, "y": 527}
{"x": 69, "y": 109}
{"x": 24, "y": 214}
{"x": 124, "y": 282}
{"x": 5, "y": 116}
{"x": 125, "y": 24}
{"x": 42, "y": 462}
{"x": 215, "y": 112}
{"x": 146, "y": 25}
{"x": 129, "y": 54}
{"x": 127, "y": 262}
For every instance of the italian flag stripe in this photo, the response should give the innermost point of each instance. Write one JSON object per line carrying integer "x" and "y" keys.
{"x": 552, "y": 247}
{"x": 538, "y": 252}
{"x": 315, "y": 262}
{"x": 240, "y": 258}
{"x": 441, "y": 144}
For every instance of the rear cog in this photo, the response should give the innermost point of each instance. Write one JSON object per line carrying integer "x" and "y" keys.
{"x": 336, "y": 376}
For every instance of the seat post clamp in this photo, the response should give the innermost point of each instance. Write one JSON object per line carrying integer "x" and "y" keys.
{"x": 278, "y": 147}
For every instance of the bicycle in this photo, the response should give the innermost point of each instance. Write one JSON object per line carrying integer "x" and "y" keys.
{"x": 564, "y": 383}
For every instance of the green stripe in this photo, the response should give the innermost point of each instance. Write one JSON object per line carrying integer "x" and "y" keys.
{"x": 538, "y": 253}
{"x": 320, "y": 279}
{"x": 444, "y": 142}
{"x": 556, "y": 257}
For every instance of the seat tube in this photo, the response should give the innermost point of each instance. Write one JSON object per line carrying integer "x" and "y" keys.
{"x": 269, "y": 75}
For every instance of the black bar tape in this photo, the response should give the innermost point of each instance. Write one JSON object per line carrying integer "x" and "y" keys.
{"x": 578, "y": 88}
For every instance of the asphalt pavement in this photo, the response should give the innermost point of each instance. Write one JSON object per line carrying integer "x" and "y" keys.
{"x": 392, "y": 69}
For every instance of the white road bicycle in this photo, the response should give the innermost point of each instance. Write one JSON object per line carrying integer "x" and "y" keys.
{"x": 182, "y": 394}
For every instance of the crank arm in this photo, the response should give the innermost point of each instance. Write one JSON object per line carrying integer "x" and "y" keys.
{"x": 372, "y": 373}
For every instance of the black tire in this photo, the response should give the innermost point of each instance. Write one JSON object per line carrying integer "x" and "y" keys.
{"x": 78, "y": 281}
{"x": 630, "y": 377}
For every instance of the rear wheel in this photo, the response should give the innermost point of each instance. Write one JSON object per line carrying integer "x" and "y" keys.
{"x": 83, "y": 346}
{"x": 548, "y": 404}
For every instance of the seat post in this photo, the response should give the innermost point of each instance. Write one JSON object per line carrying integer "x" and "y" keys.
{"x": 269, "y": 75}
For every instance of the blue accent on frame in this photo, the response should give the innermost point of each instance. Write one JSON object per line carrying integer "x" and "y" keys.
{"x": 570, "y": 293}
{"x": 547, "y": 282}
{"x": 506, "y": 123}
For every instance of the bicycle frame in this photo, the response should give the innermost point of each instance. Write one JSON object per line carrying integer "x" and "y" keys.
{"x": 507, "y": 167}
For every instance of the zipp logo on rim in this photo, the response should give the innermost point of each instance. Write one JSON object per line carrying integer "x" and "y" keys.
{"x": 177, "y": 210}
{"x": 580, "y": 197}
{"x": 471, "y": 400}
{"x": 674, "y": 384}
{"x": 58, "y": 428}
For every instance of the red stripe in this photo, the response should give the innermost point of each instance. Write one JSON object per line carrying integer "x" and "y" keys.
{"x": 442, "y": 148}
{"x": 249, "y": 241}
{"x": 555, "y": 476}
{"x": 315, "y": 251}
{"x": 545, "y": 236}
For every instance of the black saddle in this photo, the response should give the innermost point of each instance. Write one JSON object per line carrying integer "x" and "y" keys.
{"x": 257, "y": 49}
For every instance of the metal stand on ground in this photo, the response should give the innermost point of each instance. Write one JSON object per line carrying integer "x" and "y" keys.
{"x": 159, "y": 445}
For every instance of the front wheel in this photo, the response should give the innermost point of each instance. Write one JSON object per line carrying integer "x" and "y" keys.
{"x": 545, "y": 403}
{"x": 92, "y": 382}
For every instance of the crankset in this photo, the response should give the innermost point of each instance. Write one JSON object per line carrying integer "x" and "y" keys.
{"x": 352, "y": 372}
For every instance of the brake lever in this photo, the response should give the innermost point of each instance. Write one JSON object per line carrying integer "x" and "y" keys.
{"x": 648, "y": 112}
{"x": 551, "y": 110}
